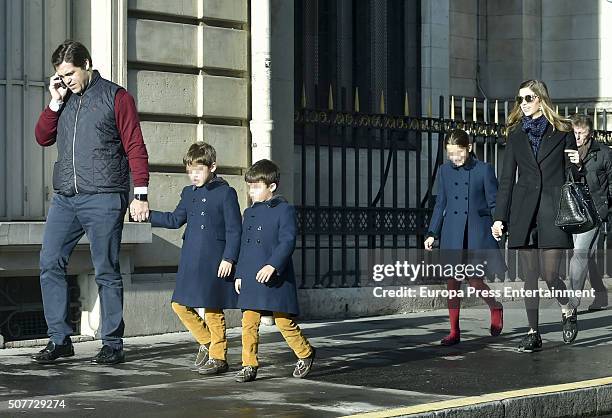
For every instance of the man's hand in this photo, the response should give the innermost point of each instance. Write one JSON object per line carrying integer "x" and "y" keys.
{"x": 57, "y": 88}
{"x": 237, "y": 285}
{"x": 139, "y": 210}
{"x": 573, "y": 155}
{"x": 225, "y": 269}
{"x": 264, "y": 275}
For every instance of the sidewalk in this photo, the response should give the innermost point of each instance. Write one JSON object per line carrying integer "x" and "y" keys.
{"x": 363, "y": 365}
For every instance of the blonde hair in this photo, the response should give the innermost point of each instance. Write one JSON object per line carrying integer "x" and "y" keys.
{"x": 539, "y": 89}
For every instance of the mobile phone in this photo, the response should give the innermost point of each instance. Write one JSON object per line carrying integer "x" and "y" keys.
{"x": 58, "y": 80}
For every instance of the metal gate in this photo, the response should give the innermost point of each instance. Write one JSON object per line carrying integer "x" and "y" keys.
{"x": 31, "y": 29}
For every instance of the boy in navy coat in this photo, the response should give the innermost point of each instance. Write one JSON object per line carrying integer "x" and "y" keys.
{"x": 264, "y": 275}
{"x": 210, "y": 249}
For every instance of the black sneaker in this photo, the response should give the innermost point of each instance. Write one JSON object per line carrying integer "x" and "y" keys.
{"x": 600, "y": 302}
{"x": 570, "y": 326}
{"x": 213, "y": 366}
{"x": 54, "y": 351}
{"x": 303, "y": 365}
{"x": 109, "y": 355}
{"x": 530, "y": 343}
{"x": 247, "y": 374}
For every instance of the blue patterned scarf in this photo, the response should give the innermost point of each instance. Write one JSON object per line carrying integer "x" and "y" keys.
{"x": 535, "y": 128}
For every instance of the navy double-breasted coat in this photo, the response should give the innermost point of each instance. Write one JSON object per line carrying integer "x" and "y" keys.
{"x": 268, "y": 238}
{"x": 212, "y": 234}
{"x": 466, "y": 204}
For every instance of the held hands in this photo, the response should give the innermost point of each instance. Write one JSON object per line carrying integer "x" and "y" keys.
{"x": 497, "y": 230}
{"x": 264, "y": 275}
{"x": 139, "y": 210}
{"x": 225, "y": 269}
{"x": 57, "y": 88}
{"x": 429, "y": 243}
{"x": 237, "y": 285}
{"x": 573, "y": 156}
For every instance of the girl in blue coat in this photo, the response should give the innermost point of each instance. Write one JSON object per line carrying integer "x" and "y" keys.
{"x": 264, "y": 275}
{"x": 210, "y": 249}
{"x": 462, "y": 219}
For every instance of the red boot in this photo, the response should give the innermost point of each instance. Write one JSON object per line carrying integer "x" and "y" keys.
{"x": 497, "y": 319}
{"x": 453, "y": 315}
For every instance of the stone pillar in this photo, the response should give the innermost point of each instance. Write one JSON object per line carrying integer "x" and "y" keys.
{"x": 435, "y": 73}
{"x": 272, "y": 87}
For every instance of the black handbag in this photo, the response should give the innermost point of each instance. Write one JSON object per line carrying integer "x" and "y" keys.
{"x": 577, "y": 212}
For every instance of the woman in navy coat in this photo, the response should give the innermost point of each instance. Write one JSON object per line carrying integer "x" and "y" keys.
{"x": 462, "y": 219}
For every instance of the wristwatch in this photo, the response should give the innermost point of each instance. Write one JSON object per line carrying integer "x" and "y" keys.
{"x": 141, "y": 197}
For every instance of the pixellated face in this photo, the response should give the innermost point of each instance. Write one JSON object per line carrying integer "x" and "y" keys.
{"x": 582, "y": 134}
{"x": 75, "y": 78}
{"x": 200, "y": 174}
{"x": 458, "y": 155}
{"x": 260, "y": 191}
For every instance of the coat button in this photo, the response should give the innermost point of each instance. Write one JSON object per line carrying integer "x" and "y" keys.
{"x": 259, "y": 228}
{"x": 455, "y": 212}
{"x": 465, "y": 212}
{"x": 248, "y": 239}
{"x": 466, "y": 183}
{"x": 259, "y": 241}
{"x": 202, "y": 213}
{"x": 456, "y": 197}
{"x": 465, "y": 198}
{"x": 203, "y": 200}
{"x": 456, "y": 184}
{"x": 202, "y": 227}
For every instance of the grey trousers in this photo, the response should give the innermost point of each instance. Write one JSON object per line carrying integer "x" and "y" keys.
{"x": 584, "y": 261}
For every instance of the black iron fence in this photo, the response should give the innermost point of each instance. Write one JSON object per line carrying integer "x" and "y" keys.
{"x": 367, "y": 182}
{"x": 21, "y": 309}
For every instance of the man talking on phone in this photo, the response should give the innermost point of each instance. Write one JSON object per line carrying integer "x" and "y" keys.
{"x": 95, "y": 124}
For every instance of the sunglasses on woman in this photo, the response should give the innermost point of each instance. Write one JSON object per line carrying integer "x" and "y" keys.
{"x": 529, "y": 98}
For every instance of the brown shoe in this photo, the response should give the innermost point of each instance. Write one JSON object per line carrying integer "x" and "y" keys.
{"x": 213, "y": 366}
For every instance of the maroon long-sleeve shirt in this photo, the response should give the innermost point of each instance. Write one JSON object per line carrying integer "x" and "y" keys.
{"x": 128, "y": 125}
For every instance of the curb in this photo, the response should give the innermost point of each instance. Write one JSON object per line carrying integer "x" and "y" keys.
{"x": 584, "y": 398}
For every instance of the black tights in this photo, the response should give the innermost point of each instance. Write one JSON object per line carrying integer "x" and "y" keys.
{"x": 543, "y": 263}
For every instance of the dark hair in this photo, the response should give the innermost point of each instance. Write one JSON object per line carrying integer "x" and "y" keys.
{"x": 458, "y": 137}
{"x": 583, "y": 121}
{"x": 200, "y": 153}
{"x": 72, "y": 52}
{"x": 263, "y": 170}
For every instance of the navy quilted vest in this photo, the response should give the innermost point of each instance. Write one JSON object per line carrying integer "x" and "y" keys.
{"x": 91, "y": 158}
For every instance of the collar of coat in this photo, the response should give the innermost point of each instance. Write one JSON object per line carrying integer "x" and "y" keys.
{"x": 213, "y": 183}
{"x": 274, "y": 201}
{"x": 95, "y": 76}
{"x": 593, "y": 149}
